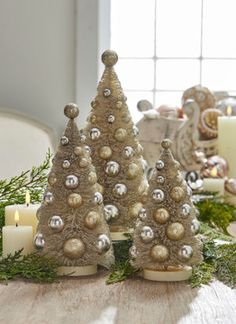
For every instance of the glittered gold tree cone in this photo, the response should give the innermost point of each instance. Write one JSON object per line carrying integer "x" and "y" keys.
{"x": 72, "y": 228}
{"x": 165, "y": 238}
{"x": 116, "y": 152}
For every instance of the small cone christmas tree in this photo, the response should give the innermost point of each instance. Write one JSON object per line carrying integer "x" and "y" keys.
{"x": 165, "y": 242}
{"x": 116, "y": 152}
{"x": 72, "y": 227}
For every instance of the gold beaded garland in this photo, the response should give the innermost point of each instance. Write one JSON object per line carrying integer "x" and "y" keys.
{"x": 159, "y": 253}
{"x": 74, "y": 200}
{"x": 175, "y": 231}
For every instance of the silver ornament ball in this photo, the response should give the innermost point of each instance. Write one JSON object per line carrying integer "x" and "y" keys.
{"x": 147, "y": 234}
{"x": 128, "y": 152}
{"x": 185, "y": 210}
{"x": 71, "y": 182}
{"x": 106, "y": 92}
{"x": 64, "y": 140}
{"x": 95, "y": 134}
{"x": 160, "y": 165}
{"x": 66, "y": 164}
{"x": 158, "y": 195}
{"x": 103, "y": 243}
{"x": 120, "y": 190}
{"x": 142, "y": 214}
{"x": 111, "y": 212}
{"x": 185, "y": 252}
{"x": 56, "y": 223}
{"x": 112, "y": 168}
{"x": 135, "y": 131}
{"x": 48, "y": 198}
{"x": 98, "y": 198}
{"x": 160, "y": 180}
{"x": 195, "y": 226}
{"x": 111, "y": 119}
{"x": 39, "y": 241}
{"x": 133, "y": 252}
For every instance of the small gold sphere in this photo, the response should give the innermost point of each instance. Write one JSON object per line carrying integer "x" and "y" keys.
{"x": 175, "y": 231}
{"x": 74, "y": 200}
{"x": 74, "y": 248}
{"x": 159, "y": 253}
{"x": 71, "y": 110}
{"x": 161, "y": 215}
{"x": 177, "y": 194}
{"x": 120, "y": 134}
{"x": 92, "y": 177}
{"x": 119, "y": 104}
{"x": 132, "y": 171}
{"x": 78, "y": 150}
{"x": 93, "y": 119}
{"x": 134, "y": 210}
{"x": 166, "y": 143}
{"x": 109, "y": 58}
{"x": 94, "y": 104}
{"x": 52, "y": 179}
{"x": 83, "y": 163}
{"x": 105, "y": 152}
{"x": 91, "y": 220}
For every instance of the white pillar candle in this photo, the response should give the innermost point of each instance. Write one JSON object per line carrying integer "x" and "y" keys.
{"x": 227, "y": 141}
{"x": 214, "y": 185}
{"x": 27, "y": 214}
{"x": 15, "y": 238}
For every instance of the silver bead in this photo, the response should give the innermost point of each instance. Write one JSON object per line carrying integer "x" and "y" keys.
{"x": 98, "y": 198}
{"x": 66, "y": 164}
{"x": 110, "y": 212}
{"x": 39, "y": 241}
{"x": 142, "y": 214}
{"x": 128, "y": 152}
{"x": 111, "y": 119}
{"x": 106, "y": 92}
{"x": 147, "y": 234}
{"x": 64, "y": 140}
{"x": 160, "y": 165}
{"x": 158, "y": 195}
{"x": 133, "y": 252}
{"x": 82, "y": 138}
{"x": 135, "y": 131}
{"x": 56, "y": 223}
{"x": 112, "y": 168}
{"x": 103, "y": 243}
{"x": 195, "y": 226}
{"x": 185, "y": 252}
{"x": 95, "y": 134}
{"x": 48, "y": 198}
{"x": 71, "y": 182}
{"x": 160, "y": 179}
{"x": 87, "y": 149}
{"x": 185, "y": 210}
{"x": 120, "y": 190}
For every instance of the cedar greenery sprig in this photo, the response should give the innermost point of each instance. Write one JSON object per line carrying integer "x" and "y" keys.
{"x": 32, "y": 266}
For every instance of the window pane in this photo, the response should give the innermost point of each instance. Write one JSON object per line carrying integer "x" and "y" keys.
{"x": 178, "y": 28}
{"x": 168, "y": 98}
{"x": 219, "y": 28}
{"x": 132, "y": 27}
{"x": 177, "y": 74}
{"x": 136, "y": 74}
{"x": 219, "y": 74}
{"x": 133, "y": 97}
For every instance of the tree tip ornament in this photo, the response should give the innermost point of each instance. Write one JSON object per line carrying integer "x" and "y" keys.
{"x": 166, "y": 143}
{"x": 109, "y": 58}
{"x": 71, "y": 111}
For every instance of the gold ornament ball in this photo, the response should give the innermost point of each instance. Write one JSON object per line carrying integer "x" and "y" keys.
{"x": 105, "y": 152}
{"x": 177, "y": 194}
{"x": 74, "y": 248}
{"x": 71, "y": 110}
{"x": 78, "y": 150}
{"x": 132, "y": 171}
{"x": 92, "y": 177}
{"x": 109, "y": 58}
{"x": 134, "y": 210}
{"x": 52, "y": 179}
{"x": 91, "y": 220}
{"x": 120, "y": 134}
{"x": 161, "y": 215}
{"x": 74, "y": 200}
{"x": 166, "y": 143}
{"x": 93, "y": 119}
{"x": 175, "y": 231}
{"x": 159, "y": 253}
{"x": 83, "y": 163}
{"x": 119, "y": 104}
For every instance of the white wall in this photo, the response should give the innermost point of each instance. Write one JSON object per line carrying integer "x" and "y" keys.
{"x": 37, "y": 58}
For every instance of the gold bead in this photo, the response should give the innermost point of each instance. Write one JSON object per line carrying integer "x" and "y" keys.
{"x": 83, "y": 163}
{"x": 105, "y": 152}
{"x": 120, "y": 134}
{"x": 161, "y": 215}
{"x": 109, "y": 58}
{"x": 159, "y": 253}
{"x": 134, "y": 210}
{"x": 93, "y": 119}
{"x": 177, "y": 194}
{"x": 91, "y": 220}
{"x": 74, "y": 200}
{"x": 78, "y": 150}
{"x": 166, "y": 143}
{"x": 175, "y": 231}
{"x": 71, "y": 110}
{"x": 92, "y": 177}
{"x": 119, "y": 104}
{"x": 132, "y": 171}
{"x": 74, "y": 248}
{"x": 52, "y": 178}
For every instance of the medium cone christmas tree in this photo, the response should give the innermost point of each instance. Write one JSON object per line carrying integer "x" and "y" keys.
{"x": 116, "y": 152}
{"x": 72, "y": 227}
{"x": 165, "y": 242}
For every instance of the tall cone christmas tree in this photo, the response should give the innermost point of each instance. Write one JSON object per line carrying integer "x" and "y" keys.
{"x": 165, "y": 242}
{"x": 116, "y": 152}
{"x": 72, "y": 227}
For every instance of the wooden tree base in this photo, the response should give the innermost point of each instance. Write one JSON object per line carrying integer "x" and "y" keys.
{"x": 77, "y": 271}
{"x": 117, "y": 234}
{"x": 168, "y": 275}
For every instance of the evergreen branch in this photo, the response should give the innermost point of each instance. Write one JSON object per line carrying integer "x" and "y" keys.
{"x": 120, "y": 272}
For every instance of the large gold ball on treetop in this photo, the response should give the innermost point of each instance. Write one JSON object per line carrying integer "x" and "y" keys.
{"x": 91, "y": 220}
{"x": 109, "y": 58}
{"x": 175, "y": 231}
{"x": 105, "y": 152}
{"x": 74, "y": 200}
{"x": 159, "y": 253}
{"x": 74, "y": 248}
{"x": 71, "y": 110}
{"x": 161, "y": 215}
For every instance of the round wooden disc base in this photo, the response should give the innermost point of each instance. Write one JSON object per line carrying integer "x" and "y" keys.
{"x": 117, "y": 233}
{"x": 173, "y": 275}
{"x": 77, "y": 271}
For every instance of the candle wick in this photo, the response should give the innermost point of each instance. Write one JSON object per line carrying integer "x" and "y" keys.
{"x": 27, "y": 204}
{"x": 16, "y": 224}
